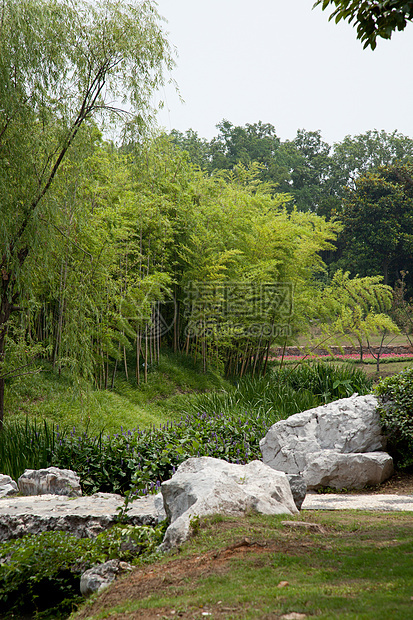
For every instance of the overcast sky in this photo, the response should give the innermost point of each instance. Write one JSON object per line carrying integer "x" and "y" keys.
{"x": 280, "y": 62}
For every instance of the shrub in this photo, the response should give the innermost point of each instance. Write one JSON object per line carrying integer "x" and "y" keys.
{"x": 395, "y": 396}
{"x": 40, "y": 574}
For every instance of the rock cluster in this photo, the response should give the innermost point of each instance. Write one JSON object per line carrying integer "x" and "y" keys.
{"x": 339, "y": 445}
{"x": 206, "y": 486}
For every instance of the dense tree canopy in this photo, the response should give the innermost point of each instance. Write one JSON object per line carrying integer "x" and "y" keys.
{"x": 378, "y": 223}
{"x": 372, "y": 19}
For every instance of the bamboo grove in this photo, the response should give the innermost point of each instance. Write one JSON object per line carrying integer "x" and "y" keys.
{"x": 136, "y": 231}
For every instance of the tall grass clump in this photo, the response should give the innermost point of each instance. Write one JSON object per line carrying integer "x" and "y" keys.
{"x": 326, "y": 381}
{"x": 26, "y": 445}
{"x": 285, "y": 391}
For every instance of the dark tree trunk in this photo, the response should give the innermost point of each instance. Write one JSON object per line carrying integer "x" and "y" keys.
{"x": 5, "y": 312}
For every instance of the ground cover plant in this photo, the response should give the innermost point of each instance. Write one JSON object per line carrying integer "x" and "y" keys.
{"x": 395, "y": 395}
{"x": 40, "y": 574}
{"x": 227, "y": 425}
{"x": 353, "y": 565}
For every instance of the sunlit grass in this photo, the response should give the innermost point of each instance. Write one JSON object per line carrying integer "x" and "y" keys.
{"x": 358, "y": 568}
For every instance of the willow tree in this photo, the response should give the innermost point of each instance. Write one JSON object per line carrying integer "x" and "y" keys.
{"x": 62, "y": 64}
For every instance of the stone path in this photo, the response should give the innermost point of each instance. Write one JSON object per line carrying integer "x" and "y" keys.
{"x": 331, "y": 501}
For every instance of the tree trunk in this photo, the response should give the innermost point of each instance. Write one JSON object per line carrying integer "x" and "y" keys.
{"x": 6, "y": 309}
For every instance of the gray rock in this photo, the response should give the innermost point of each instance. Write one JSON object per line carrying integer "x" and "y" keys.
{"x": 309, "y": 443}
{"x": 206, "y": 486}
{"x": 85, "y": 517}
{"x": 101, "y": 576}
{"x": 7, "y": 486}
{"x": 348, "y": 471}
{"x": 298, "y": 487}
{"x": 50, "y": 481}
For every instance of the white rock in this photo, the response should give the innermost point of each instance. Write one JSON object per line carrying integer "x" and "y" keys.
{"x": 101, "y": 576}
{"x": 50, "y": 481}
{"x": 318, "y": 443}
{"x": 205, "y": 486}
{"x": 347, "y": 471}
{"x": 7, "y": 486}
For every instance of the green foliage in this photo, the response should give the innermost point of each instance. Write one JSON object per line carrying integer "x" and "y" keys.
{"x": 357, "y": 307}
{"x": 372, "y": 19}
{"x": 327, "y": 382}
{"x": 395, "y": 395}
{"x": 26, "y": 445}
{"x": 225, "y": 424}
{"x": 40, "y": 574}
{"x": 377, "y": 220}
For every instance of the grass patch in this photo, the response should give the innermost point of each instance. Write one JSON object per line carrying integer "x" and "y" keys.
{"x": 360, "y": 567}
{"x": 65, "y": 400}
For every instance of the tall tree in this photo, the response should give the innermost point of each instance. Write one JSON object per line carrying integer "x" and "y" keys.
{"x": 356, "y": 155}
{"x": 378, "y": 223}
{"x": 61, "y": 65}
{"x": 257, "y": 142}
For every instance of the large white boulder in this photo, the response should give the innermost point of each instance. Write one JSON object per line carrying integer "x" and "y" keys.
{"x": 204, "y": 486}
{"x": 50, "y": 481}
{"x": 318, "y": 443}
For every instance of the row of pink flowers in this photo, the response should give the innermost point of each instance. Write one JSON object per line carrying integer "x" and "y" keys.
{"x": 349, "y": 356}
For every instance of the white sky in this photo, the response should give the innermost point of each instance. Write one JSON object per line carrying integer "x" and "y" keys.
{"x": 280, "y": 62}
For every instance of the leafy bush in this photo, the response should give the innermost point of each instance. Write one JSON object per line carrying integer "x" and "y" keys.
{"x": 40, "y": 574}
{"x": 395, "y": 396}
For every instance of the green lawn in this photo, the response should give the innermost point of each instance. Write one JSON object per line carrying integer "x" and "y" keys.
{"x": 360, "y": 566}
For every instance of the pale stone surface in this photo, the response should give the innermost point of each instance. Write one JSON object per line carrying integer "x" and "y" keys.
{"x": 205, "y": 486}
{"x": 50, "y": 481}
{"x": 101, "y": 576}
{"x": 310, "y": 443}
{"x": 347, "y": 471}
{"x": 379, "y": 502}
{"x": 7, "y": 486}
{"x": 84, "y": 517}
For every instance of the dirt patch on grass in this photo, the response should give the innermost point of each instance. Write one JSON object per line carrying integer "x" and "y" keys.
{"x": 177, "y": 577}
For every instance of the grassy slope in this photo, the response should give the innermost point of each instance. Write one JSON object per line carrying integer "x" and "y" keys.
{"x": 64, "y": 401}
{"x": 358, "y": 567}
